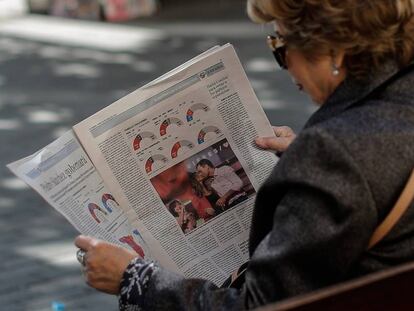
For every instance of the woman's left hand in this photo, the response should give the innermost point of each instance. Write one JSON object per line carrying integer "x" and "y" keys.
{"x": 284, "y": 136}
{"x": 105, "y": 263}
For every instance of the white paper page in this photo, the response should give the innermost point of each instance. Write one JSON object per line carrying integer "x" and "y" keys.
{"x": 146, "y": 147}
{"x": 65, "y": 177}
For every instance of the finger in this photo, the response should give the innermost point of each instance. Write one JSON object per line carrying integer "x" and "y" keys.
{"x": 272, "y": 143}
{"x": 84, "y": 242}
{"x": 282, "y": 131}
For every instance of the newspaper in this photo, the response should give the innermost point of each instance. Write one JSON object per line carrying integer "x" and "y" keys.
{"x": 170, "y": 170}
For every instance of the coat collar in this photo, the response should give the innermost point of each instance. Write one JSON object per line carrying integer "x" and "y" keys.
{"x": 351, "y": 91}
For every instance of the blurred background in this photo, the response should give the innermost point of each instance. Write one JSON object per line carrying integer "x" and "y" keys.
{"x": 63, "y": 60}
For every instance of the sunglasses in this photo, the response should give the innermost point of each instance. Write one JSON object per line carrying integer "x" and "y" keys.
{"x": 278, "y": 47}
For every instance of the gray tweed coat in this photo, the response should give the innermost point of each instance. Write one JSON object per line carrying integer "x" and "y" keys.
{"x": 315, "y": 214}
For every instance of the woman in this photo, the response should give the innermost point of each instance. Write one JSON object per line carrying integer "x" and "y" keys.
{"x": 192, "y": 219}
{"x": 202, "y": 188}
{"x": 335, "y": 182}
{"x": 176, "y": 208}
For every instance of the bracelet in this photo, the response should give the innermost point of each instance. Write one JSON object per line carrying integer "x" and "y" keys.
{"x": 134, "y": 284}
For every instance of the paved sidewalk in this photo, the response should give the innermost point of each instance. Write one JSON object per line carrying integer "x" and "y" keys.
{"x": 47, "y": 85}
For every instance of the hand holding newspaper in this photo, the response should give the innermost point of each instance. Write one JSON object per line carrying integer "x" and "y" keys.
{"x": 169, "y": 171}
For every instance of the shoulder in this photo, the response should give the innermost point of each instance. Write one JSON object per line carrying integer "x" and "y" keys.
{"x": 371, "y": 145}
{"x": 379, "y": 130}
{"x": 225, "y": 169}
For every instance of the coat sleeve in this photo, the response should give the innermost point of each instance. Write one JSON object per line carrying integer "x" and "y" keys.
{"x": 146, "y": 286}
{"x": 318, "y": 230}
{"x": 321, "y": 225}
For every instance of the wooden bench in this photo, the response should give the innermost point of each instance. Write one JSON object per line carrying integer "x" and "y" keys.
{"x": 388, "y": 290}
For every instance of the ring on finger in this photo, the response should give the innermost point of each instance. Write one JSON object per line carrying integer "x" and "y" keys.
{"x": 80, "y": 255}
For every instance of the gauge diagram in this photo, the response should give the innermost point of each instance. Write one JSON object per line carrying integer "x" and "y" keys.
{"x": 140, "y": 137}
{"x": 205, "y": 131}
{"x": 157, "y": 160}
{"x": 167, "y": 122}
{"x": 180, "y": 145}
{"x": 109, "y": 202}
{"x": 192, "y": 110}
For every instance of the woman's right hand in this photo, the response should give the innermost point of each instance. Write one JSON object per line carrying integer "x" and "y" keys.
{"x": 284, "y": 136}
{"x": 105, "y": 263}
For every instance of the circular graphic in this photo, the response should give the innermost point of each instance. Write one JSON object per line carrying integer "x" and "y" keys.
{"x": 109, "y": 202}
{"x": 167, "y": 122}
{"x": 179, "y": 145}
{"x": 129, "y": 239}
{"x": 208, "y": 129}
{"x": 140, "y": 137}
{"x": 97, "y": 213}
{"x": 157, "y": 159}
{"x": 193, "y": 109}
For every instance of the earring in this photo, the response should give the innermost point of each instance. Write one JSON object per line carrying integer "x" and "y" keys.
{"x": 335, "y": 70}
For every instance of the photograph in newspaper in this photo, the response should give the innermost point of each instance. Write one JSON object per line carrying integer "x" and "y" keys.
{"x": 203, "y": 186}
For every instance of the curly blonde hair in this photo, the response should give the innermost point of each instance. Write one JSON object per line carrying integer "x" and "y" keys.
{"x": 369, "y": 31}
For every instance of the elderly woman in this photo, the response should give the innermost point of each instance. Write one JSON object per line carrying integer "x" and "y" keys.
{"x": 335, "y": 182}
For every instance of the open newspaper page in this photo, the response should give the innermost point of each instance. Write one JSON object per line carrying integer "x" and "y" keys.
{"x": 65, "y": 177}
{"x": 179, "y": 155}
